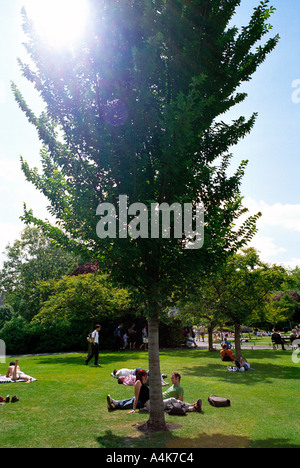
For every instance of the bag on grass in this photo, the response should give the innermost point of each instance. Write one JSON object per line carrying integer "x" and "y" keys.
{"x": 176, "y": 409}
{"x": 218, "y": 402}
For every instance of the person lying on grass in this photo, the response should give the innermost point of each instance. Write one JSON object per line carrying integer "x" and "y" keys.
{"x": 141, "y": 398}
{"x": 15, "y": 373}
{"x": 128, "y": 376}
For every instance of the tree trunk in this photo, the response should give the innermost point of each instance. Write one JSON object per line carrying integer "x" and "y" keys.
{"x": 210, "y": 338}
{"x": 237, "y": 341}
{"x": 156, "y": 421}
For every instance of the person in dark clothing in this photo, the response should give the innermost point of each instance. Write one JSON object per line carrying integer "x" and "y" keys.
{"x": 140, "y": 398}
{"x": 277, "y": 339}
{"x": 132, "y": 336}
{"x": 118, "y": 341}
{"x": 95, "y": 346}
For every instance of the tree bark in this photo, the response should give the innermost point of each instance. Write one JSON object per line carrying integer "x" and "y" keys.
{"x": 156, "y": 421}
{"x": 237, "y": 341}
{"x": 210, "y": 338}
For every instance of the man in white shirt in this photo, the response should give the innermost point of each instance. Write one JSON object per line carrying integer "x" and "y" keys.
{"x": 95, "y": 346}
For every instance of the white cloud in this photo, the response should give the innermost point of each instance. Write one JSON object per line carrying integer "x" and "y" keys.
{"x": 12, "y": 173}
{"x": 278, "y": 228}
{"x": 286, "y": 216}
{"x": 2, "y": 92}
{"x": 291, "y": 264}
{"x": 267, "y": 247}
{"x": 9, "y": 232}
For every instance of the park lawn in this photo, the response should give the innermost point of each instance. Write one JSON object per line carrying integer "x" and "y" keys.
{"x": 66, "y": 407}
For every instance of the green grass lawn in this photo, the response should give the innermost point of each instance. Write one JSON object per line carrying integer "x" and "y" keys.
{"x": 66, "y": 407}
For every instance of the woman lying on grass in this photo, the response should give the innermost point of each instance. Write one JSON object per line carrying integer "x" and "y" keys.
{"x": 15, "y": 373}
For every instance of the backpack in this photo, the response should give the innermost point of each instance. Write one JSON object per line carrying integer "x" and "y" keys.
{"x": 218, "y": 402}
{"x": 176, "y": 409}
{"x": 89, "y": 338}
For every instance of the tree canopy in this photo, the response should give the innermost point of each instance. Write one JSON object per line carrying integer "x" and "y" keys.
{"x": 29, "y": 260}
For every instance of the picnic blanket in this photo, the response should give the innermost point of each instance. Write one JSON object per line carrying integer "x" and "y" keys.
{"x": 4, "y": 379}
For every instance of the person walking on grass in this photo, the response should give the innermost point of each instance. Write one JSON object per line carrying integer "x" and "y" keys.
{"x": 95, "y": 347}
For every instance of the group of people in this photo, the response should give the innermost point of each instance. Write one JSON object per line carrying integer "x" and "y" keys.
{"x": 227, "y": 356}
{"x": 188, "y": 332}
{"x": 123, "y": 339}
{"x": 277, "y": 337}
{"x": 141, "y": 398}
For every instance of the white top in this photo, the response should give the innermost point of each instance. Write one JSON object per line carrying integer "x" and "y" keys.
{"x": 95, "y": 335}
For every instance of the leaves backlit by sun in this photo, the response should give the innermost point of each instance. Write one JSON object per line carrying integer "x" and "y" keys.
{"x": 59, "y": 22}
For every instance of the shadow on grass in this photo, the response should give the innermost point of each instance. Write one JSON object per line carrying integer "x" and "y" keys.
{"x": 211, "y": 366}
{"x": 169, "y": 440}
{"x": 192, "y": 354}
{"x": 104, "y": 358}
{"x": 204, "y": 364}
{"x": 263, "y": 373}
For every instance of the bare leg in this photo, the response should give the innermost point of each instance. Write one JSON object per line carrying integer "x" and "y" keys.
{"x": 22, "y": 377}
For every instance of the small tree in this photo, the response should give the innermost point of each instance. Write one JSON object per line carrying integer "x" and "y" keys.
{"x": 29, "y": 260}
{"x": 241, "y": 290}
{"x": 84, "y": 298}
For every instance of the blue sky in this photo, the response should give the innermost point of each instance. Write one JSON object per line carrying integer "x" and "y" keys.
{"x": 272, "y": 180}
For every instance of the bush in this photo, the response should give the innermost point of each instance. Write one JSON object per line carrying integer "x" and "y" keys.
{"x": 21, "y": 337}
{"x": 17, "y": 336}
{"x": 170, "y": 334}
{"x": 6, "y": 314}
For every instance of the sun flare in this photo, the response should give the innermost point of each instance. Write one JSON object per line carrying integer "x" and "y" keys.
{"x": 59, "y": 22}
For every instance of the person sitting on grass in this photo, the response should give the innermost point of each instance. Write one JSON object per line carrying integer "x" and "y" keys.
{"x": 226, "y": 353}
{"x": 175, "y": 393}
{"x": 15, "y": 373}
{"x": 141, "y": 399}
{"x": 227, "y": 343}
{"x": 243, "y": 363}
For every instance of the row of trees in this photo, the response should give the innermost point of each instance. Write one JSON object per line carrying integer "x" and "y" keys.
{"x": 246, "y": 292}
{"x": 53, "y": 300}
{"x": 51, "y": 303}
{"x": 136, "y": 109}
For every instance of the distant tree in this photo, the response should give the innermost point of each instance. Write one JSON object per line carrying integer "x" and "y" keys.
{"x": 85, "y": 269}
{"x": 284, "y": 308}
{"x": 31, "y": 259}
{"x": 84, "y": 299}
{"x": 6, "y": 314}
{"x": 136, "y": 111}
{"x": 241, "y": 291}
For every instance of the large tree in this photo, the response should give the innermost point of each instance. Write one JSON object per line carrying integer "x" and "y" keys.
{"x": 135, "y": 111}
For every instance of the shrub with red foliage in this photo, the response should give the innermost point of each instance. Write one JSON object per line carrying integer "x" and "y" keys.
{"x": 85, "y": 269}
